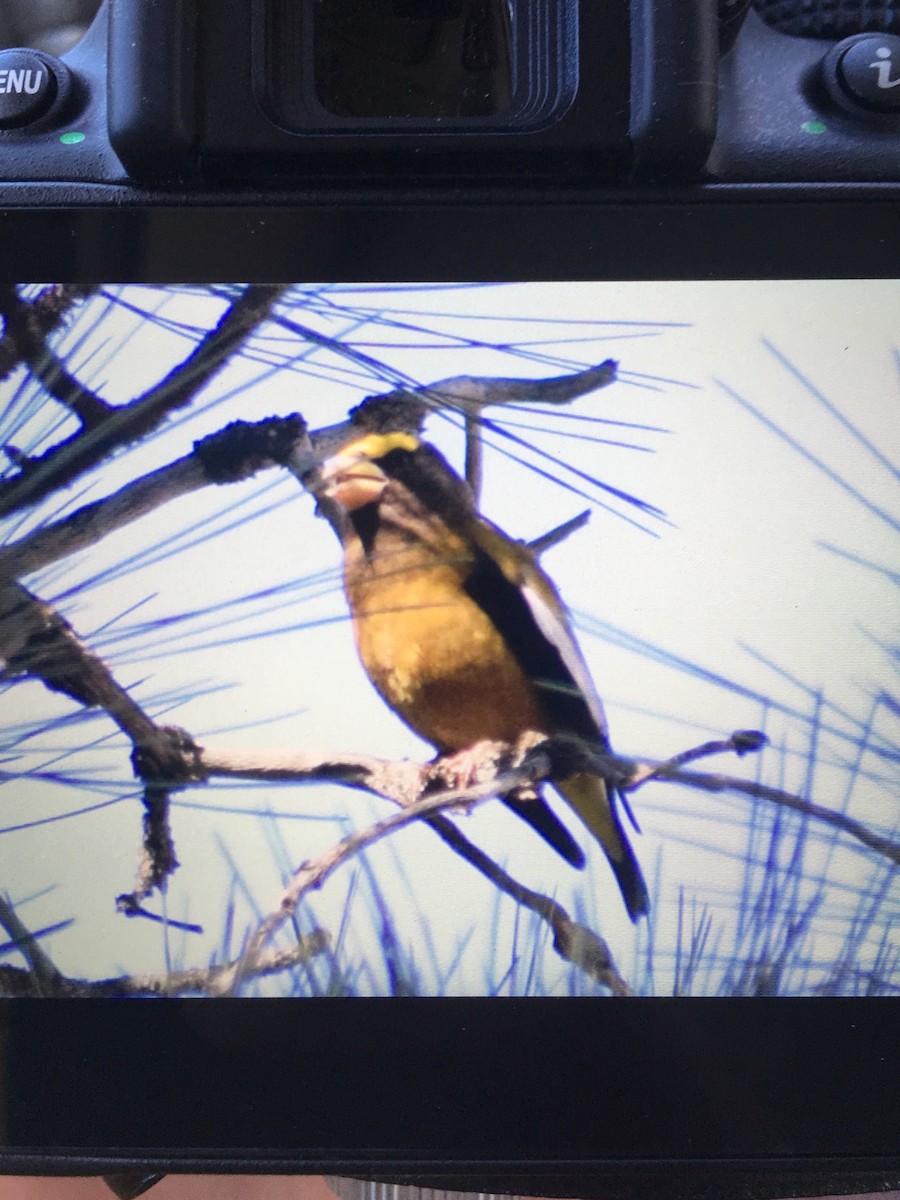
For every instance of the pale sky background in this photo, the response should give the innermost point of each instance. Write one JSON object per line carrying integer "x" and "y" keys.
{"x": 738, "y": 569}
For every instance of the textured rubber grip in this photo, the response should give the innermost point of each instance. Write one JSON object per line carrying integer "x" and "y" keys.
{"x": 833, "y": 19}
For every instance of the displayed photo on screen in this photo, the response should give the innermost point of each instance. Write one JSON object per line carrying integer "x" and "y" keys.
{"x": 533, "y": 639}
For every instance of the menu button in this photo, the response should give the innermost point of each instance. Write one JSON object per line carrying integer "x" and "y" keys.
{"x": 28, "y": 87}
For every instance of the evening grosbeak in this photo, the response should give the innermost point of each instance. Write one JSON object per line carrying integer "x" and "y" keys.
{"x": 462, "y": 633}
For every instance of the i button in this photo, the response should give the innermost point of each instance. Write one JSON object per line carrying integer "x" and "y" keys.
{"x": 28, "y": 87}
{"x": 868, "y": 70}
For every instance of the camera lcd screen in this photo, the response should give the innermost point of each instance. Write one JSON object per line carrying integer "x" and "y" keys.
{"x": 220, "y": 731}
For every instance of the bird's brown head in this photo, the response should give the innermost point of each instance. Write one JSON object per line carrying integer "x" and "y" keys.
{"x": 390, "y": 489}
{"x": 359, "y": 473}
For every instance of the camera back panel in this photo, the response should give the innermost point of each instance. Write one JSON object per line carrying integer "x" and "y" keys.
{"x": 443, "y": 94}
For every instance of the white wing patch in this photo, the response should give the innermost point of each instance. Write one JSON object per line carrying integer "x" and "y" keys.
{"x": 557, "y": 632}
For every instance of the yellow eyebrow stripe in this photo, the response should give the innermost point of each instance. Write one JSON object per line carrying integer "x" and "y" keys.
{"x": 376, "y": 445}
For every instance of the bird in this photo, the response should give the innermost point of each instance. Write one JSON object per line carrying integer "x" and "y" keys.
{"x": 462, "y": 632}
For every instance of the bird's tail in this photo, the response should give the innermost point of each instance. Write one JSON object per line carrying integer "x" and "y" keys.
{"x": 543, "y": 820}
{"x": 594, "y": 802}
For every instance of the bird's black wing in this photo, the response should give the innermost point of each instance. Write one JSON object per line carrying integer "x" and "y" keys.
{"x": 524, "y": 619}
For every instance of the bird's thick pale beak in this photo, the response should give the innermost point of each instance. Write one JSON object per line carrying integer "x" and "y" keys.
{"x": 352, "y": 480}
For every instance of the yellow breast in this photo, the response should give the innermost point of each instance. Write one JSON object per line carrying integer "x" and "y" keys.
{"x": 434, "y": 655}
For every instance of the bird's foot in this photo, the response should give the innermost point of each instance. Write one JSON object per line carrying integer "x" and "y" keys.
{"x": 466, "y": 769}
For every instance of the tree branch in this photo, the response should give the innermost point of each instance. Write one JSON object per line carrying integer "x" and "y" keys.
{"x": 122, "y": 426}
{"x": 27, "y": 326}
{"x": 234, "y": 453}
{"x": 239, "y": 451}
{"x": 43, "y": 978}
{"x": 572, "y": 941}
{"x": 62, "y": 385}
{"x": 36, "y": 640}
{"x": 471, "y": 393}
{"x": 404, "y": 783}
{"x": 547, "y": 759}
{"x": 312, "y": 874}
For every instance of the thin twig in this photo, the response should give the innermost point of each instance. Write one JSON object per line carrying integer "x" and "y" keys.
{"x": 889, "y": 847}
{"x": 553, "y": 537}
{"x": 400, "y": 781}
{"x": 46, "y": 977}
{"x": 405, "y": 408}
{"x": 741, "y": 742}
{"x": 474, "y": 454}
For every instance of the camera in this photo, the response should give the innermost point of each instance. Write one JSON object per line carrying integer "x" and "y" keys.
{"x": 458, "y": 93}
{"x": 636, "y": 254}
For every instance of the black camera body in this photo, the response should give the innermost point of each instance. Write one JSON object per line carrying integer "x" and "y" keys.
{"x": 451, "y": 95}
{"x": 440, "y": 141}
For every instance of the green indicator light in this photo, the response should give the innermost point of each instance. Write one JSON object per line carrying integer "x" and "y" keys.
{"x": 816, "y": 127}
{"x": 72, "y": 139}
